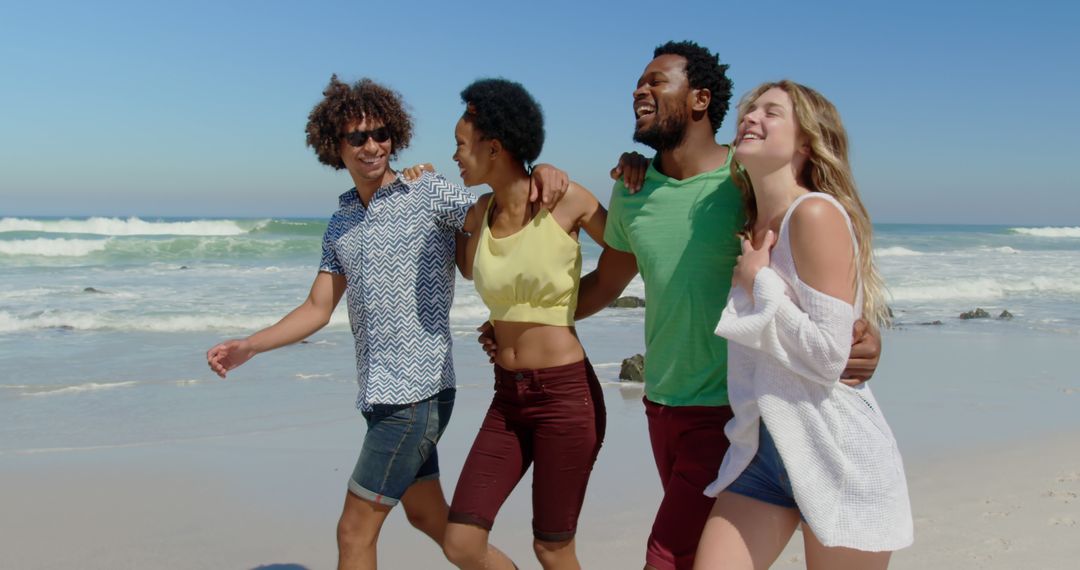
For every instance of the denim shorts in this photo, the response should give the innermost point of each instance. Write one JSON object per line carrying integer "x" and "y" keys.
{"x": 399, "y": 448}
{"x": 766, "y": 478}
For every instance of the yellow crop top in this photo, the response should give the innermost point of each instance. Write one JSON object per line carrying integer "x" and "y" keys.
{"x": 531, "y": 276}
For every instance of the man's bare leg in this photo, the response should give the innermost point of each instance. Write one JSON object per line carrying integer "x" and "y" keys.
{"x": 358, "y": 533}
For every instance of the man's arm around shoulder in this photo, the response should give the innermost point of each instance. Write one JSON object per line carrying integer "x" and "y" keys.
{"x": 602, "y": 285}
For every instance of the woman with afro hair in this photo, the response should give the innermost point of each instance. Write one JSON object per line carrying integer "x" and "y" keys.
{"x": 547, "y": 410}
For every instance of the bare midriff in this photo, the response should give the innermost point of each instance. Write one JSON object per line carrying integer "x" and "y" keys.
{"x": 532, "y": 346}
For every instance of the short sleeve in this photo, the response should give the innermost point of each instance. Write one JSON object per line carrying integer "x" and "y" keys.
{"x": 615, "y": 229}
{"x": 330, "y": 262}
{"x": 450, "y": 202}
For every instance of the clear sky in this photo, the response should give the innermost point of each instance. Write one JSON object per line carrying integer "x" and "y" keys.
{"x": 958, "y": 112}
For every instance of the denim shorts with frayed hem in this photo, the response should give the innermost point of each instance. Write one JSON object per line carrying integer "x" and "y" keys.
{"x": 766, "y": 479}
{"x": 399, "y": 448}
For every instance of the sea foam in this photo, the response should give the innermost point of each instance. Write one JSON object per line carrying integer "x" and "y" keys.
{"x": 1051, "y": 232}
{"x": 86, "y": 321}
{"x": 986, "y": 289}
{"x": 44, "y": 247}
{"x": 302, "y": 376}
{"x": 896, "y": 252}
{"x": 86, "y": 387}
{"x": 130, "y": 226}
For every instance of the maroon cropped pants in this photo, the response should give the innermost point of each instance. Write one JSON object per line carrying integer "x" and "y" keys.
{"x": 553, "y": 419}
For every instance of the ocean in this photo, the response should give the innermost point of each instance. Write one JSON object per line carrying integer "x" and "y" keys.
{"x": 104, "y": 322}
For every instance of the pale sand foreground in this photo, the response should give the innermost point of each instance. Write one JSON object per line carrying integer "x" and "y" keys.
{"x": 1014, "y": 508}
{"x": 272, "y": 498}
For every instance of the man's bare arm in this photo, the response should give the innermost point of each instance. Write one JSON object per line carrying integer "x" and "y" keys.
{"x": 302, "y": 322}
{"x": 600, "y": 287}
{"x": 865, "y": 354}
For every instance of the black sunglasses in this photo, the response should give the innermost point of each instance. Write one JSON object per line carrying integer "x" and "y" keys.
{"x": 359, "y": 138}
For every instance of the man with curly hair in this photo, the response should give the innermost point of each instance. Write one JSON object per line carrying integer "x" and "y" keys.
{"x": 679, "y": 231}
{"x": 390, "y": 248}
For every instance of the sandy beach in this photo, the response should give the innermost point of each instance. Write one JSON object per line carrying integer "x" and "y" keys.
{"x": 987, "y": 425}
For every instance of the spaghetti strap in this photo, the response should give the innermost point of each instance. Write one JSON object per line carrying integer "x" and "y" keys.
{"x": 487, "y": 212}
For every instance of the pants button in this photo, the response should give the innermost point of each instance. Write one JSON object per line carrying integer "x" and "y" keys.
{"x": 519, "y": 376}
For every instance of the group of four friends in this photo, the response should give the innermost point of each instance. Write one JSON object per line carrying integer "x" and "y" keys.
{"x": 763, "y": 243}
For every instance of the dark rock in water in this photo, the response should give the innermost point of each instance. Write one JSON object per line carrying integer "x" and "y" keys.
{"x": 64, "y": 328}
{"x": 1005, "y": 315}
{"x": 976, "y": 314}
{"x": 628, "y": 302}
{"x": 92, "y": 290}
{"x": 184, "y": 267}
{"x": 888, "y": 309}
{"x": 305, "y": 342}
{"x": 633, "y": 369}
{"x": 932, "y": 323}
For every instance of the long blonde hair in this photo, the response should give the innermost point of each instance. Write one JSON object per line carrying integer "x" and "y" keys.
{"x": 828, "y": 171}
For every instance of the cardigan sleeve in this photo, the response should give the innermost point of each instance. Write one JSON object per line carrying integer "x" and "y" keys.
{"x": 813, "y": 341}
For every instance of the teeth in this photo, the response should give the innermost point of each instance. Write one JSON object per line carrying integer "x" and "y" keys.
{"x": 644, "y": 110}
{"x": 752, "y": 136}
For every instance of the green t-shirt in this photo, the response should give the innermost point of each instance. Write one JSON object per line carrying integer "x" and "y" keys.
{"x": 683, "y": 234}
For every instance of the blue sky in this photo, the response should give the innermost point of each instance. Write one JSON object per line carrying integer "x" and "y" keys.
{"x": 959, "y": 112}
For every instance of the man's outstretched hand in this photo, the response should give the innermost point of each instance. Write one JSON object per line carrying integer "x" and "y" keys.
{"x": 228, "y": 355}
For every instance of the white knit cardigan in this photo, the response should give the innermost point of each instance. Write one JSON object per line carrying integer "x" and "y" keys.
{"x": 788, "y": 347}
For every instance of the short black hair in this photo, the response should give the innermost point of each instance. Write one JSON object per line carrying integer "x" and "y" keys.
{"x": 703, "y": 71}
{"x": 343, "y": 103}
{"x": 504, "y": 111}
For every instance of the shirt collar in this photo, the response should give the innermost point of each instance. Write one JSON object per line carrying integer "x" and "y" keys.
{"x": 352, "y": 198}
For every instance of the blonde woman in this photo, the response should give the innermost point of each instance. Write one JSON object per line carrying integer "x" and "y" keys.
{"x": 804, "y": 446}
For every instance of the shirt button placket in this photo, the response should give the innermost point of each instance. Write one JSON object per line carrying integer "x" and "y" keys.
{"x": 364, "y": 269}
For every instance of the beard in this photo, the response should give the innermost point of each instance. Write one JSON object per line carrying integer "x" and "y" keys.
{"x": 666, "y": 132}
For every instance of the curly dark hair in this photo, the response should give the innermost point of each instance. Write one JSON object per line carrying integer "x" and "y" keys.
{"x": 343, "y": 103}
{"x": 504, "y": 111}
{"x": 704, "y": 71}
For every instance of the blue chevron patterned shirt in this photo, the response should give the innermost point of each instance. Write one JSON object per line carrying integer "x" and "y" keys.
{"x": 397, "y": 255}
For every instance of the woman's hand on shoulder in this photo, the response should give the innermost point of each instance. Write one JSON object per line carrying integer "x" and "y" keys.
{"x": 631, "y": 169}
{"x": 548, "y": 184}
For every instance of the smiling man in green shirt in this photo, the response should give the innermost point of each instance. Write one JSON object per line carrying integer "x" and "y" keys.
{"x": 679, "y": 232}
